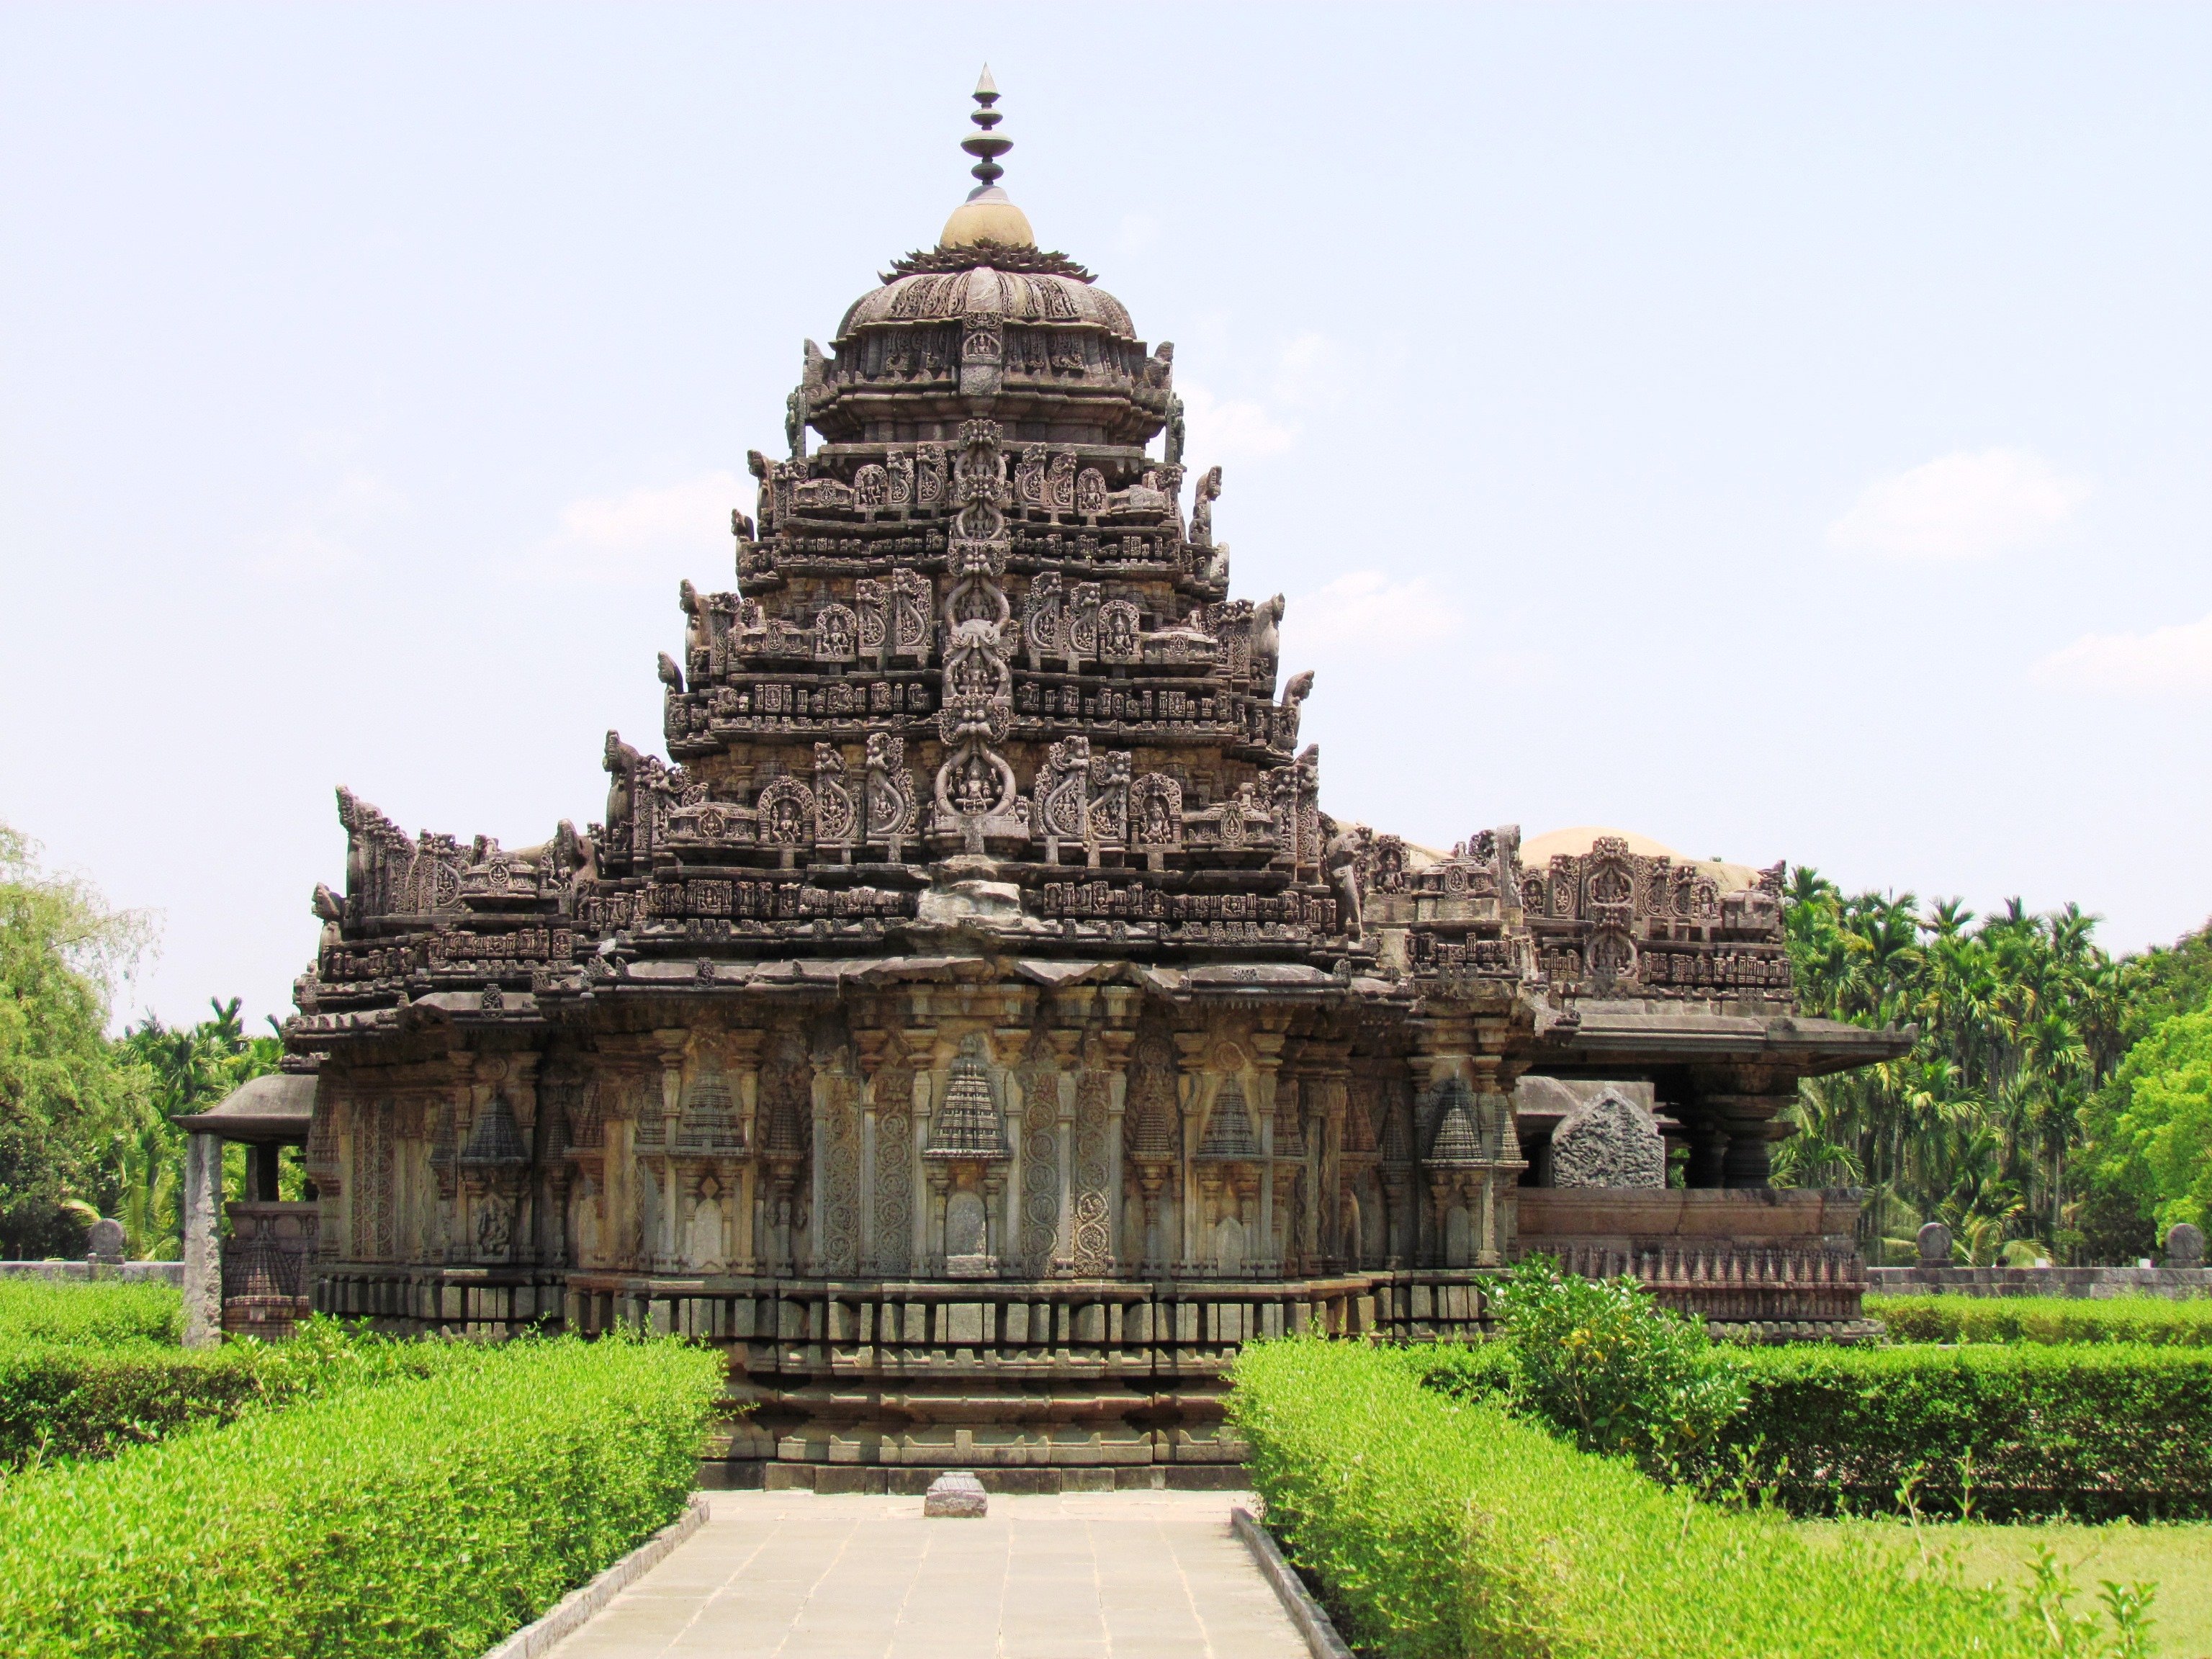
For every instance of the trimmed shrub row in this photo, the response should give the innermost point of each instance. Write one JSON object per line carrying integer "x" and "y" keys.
{"x": 1437, "y": 1527}
{"x": 58, "y": 1400}
{"x": 429, "y": 1517}
{"x": 2051, "y": 1319}
{"x": 50, "y": 1312}
{"x": 2095, "y": 1432}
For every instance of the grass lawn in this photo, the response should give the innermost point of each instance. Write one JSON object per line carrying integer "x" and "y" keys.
{"x": 2176, "y": 1557}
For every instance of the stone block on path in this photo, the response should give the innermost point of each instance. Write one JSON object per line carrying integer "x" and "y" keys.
{"x": 956, "y": 1492}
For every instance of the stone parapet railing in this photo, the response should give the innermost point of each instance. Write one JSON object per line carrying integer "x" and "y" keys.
{"x": 139, "y": 1273}
{"x": 2084, "y": 1284}
{"x": 1735, "y": 1284}
{"x": 1768, "y": 1264}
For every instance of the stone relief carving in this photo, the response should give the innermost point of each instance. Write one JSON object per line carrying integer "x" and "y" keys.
{"x": 1610, "y": 1142}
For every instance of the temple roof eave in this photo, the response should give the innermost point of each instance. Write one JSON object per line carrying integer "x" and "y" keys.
{"x": 1605, "y": 1041}
{"x": 275, "y": 1107}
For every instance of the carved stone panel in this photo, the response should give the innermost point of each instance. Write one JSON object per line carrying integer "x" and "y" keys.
{"x": 1610, "y": 1142}
{"x": 894, "y": 1171}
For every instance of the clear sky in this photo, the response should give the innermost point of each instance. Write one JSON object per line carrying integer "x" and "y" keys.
{"x": 1781, "y": 430}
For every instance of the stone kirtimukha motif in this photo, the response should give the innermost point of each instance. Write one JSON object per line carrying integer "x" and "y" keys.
{"x": 972, "y": 1021}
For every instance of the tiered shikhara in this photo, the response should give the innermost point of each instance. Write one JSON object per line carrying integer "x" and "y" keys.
{"x": 978, "y": 1026}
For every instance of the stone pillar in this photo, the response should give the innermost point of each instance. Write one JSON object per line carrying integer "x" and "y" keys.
{"x": 1010, "y": 1246}
{"x": 939, "y": 1186}
{"x": 918, "y": 1139}
{"x": 1266, "y": 1060}
{"x": 1117, "y": 1044}
{"x": 667, "y": 1250}
{"x": 1752, "y": 1134}
{"x": 203, "y": 1247}
{"x": 1067, "y": 1061}
{"x": 522, "y": 1184}
{"x": 264, "y": 1162}
{"x": 999, "y": 1195}
{"x": 742, "y": 1048}
{"x": 1707, "y": 1165}
{"x": 1191, "y": 1082}
{"x": 869, "y": 1046}
{"x": 1336, "y": 1252}
{"x": 1732, "y": 1118}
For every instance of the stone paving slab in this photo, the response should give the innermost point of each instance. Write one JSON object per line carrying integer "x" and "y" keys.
{"x": 1074, "y": 1575}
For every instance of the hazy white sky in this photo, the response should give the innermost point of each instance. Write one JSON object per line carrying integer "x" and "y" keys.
{"x": 1780, "y": 430}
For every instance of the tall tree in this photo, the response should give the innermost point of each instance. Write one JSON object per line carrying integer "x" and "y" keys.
{"x": 2022, "y": 1024}
{"x": 68, "y": 1099}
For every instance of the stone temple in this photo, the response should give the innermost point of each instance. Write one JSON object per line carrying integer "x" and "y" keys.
{"x": 974, "y": 1024}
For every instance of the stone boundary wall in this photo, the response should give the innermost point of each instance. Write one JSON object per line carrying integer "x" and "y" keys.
{"x": 160, "y": 1273}
{"x": 2084, "y": 1284}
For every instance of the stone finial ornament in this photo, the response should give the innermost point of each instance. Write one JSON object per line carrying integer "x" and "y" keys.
{"x": 988, "y": 216}
{"x": 985, "y": 145}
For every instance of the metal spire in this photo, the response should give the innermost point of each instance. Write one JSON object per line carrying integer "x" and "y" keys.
{"x": 986, "y": 146}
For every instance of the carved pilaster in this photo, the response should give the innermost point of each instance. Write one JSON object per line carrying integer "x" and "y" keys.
{"x": 667, "y": 1252}
{"x": 742, "y": 1048}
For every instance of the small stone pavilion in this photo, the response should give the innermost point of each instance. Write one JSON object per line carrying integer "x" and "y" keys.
{"x": 974, "y": 1024}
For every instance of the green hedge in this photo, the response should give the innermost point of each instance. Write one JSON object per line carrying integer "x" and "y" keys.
{"x": 80, "y": 1314}
{"x": 1438, "y": 1528}
{"x": 59, "y": 1401}
{"x": 2051, "y": 1319}
{"x": 2096, "y": 1432}
{"x": 429, "y": 1517}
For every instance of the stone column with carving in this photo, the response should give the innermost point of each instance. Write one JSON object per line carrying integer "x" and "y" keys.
{"x": 560, "y": 1094}
{"x": 870, "y": 1046}
{"x": 1191, "y": 1047}
{"x": 1336, "y": 1251}
{"x": 1114, "y": 1046}
{"x": 1068, "y": 1062}
{"x": 668, "y": 1247}
{"x": 742, "y": 1044}
{"x": 522, "y": 1101}
{"x": 1266, "y": 1047}
{"x": 203, "y": 1244}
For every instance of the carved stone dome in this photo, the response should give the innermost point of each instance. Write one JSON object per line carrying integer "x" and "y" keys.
{"x": 985, "y": 289}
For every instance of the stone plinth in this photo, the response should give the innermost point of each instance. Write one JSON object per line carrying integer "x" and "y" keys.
{"x": 957, "y": 1495}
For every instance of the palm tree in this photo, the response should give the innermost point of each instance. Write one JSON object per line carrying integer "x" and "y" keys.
{"x": 2021, "y": 1018}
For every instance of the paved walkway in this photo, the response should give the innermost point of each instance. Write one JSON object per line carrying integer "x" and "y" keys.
{"x": 1081, "y": 1576}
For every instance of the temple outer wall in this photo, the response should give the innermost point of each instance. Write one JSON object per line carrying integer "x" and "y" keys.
{"x": 877, "y": 1384}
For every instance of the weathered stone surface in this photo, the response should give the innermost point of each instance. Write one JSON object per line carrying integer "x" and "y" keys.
{"x": 1610, "y": 1141}
{"x": 2184, "y": 1245}
{"x": 203, "y": 1279}
{"x": 2172, "y": 1284}
{"x": 105, "y": 1243}
{"x": 956, "y": 1494}
{"x": 1935, "y": 1241}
